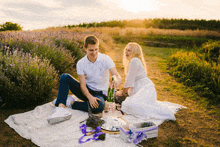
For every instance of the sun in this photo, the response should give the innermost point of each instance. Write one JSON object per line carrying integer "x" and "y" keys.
{"x": 136, "y": 6}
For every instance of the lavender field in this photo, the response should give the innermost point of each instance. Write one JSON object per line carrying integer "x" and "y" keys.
{"x": 32, "y": 61}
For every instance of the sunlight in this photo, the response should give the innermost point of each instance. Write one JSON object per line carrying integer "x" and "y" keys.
{"x": 137, "y": 5}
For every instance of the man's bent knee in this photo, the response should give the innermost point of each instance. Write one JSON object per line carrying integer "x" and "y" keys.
{"x": 101, "y": 106}
{"x": 64, "y": 77}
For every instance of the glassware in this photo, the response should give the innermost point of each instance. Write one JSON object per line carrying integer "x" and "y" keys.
{"x": 105, "y": 114}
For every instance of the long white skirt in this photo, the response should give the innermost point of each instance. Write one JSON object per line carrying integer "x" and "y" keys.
{"x": 144, "y": 103}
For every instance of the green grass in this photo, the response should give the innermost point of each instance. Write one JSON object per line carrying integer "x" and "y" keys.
{"x": 158, "y": 52}
{"x": 178, "y": 41}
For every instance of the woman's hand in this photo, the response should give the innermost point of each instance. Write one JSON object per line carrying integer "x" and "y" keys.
{"x": 125, "y": 92}
{"x": 94, "y": 102}
{"x": 118, "y": 93}
{"x": 119, "y": 97}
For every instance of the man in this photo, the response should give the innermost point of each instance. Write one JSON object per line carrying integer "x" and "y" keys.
{"x": 93, "y": 71}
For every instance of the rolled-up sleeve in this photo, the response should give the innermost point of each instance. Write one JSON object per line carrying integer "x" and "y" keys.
{"x": 132, "y": 73}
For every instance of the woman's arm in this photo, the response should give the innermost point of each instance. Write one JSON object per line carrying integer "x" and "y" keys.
{"x": 127, "y": 91}
{"x": 132, "y": 73}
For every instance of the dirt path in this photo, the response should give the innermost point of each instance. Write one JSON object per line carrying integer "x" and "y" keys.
{"x": 197, "y": 125}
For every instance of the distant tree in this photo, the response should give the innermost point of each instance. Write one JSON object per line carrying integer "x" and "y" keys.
{"x": 9, "y": 26}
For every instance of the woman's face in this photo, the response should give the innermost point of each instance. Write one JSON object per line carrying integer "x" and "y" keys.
{"x": 128, "y": 52}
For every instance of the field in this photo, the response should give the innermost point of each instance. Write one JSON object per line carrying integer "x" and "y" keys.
{"x": 198, "y": 125}
{"x": 180, "y": 24}
{"x": 131, "y": 31}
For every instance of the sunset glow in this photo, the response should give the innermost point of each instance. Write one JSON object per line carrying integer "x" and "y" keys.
{"x": 37, "y": 14}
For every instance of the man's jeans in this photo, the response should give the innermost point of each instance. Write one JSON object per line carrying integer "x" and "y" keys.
{"x": 67, "y": 82}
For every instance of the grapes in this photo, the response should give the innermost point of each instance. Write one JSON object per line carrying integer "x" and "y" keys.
{"x": 94, "y": 121}
{"x": 146, "y": 124}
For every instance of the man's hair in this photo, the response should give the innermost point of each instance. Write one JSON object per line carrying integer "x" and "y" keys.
{"x": 91, "y": 39}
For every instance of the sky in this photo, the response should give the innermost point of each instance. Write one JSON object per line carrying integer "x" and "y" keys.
{"x": 41, "y": 14}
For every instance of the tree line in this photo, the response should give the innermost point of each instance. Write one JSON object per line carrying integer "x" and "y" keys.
{"x": 9, "y": 26}
{"x": 161, "y": 23}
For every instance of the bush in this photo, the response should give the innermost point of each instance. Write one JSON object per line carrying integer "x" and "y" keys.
{"x": 211, "y": 49}
{"x": 106, "y": 42}
{"x": 72, "y": 46}
{"x": 26, "y": 80}
{"x": 59, "y": 57}
{"x": 8, "y": 26}
{"x": 196, "y": 72}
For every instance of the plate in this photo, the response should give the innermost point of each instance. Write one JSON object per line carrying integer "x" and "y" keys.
{"x": 113, "y": 124}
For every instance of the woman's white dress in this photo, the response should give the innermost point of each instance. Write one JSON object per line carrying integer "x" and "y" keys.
{"x": 143, "y": 101}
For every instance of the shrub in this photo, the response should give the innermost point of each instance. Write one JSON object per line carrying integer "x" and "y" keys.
{"x": 196, "y": 72}
{"x": 26, "y": 80}
{"x": 106, "y": 42}
{"x": 8, "y": 26}
{"x": 72, "y": 46}
{"x": 211, "y": 49}
{"x": 43, "y": 47}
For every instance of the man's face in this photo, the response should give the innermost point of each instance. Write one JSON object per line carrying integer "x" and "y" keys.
{"x": 92, "y": 51}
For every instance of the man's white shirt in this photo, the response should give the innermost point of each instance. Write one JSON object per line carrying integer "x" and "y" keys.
{"x": 97, "y": 73}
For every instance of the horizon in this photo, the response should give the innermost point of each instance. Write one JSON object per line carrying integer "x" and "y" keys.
{"x": 39, "y": 14}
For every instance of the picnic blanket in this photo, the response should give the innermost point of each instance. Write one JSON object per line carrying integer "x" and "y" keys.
{"x": 33, "y": 125}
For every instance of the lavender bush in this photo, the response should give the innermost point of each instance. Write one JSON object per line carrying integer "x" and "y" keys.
{"x": 31, "y": 62}
{"x": 38, "y": 44}
{"x": 25, "y": 80}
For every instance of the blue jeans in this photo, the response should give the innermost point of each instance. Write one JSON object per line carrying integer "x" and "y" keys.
{"x": 67, "y": 82}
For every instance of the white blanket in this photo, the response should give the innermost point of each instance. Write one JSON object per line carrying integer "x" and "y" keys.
{"x": 33, "y": 125}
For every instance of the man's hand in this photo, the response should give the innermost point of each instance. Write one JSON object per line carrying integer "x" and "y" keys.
{"x": 93, "y": 102}
{"x": 117, "y": 81}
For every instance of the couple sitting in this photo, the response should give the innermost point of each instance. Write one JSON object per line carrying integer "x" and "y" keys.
{"x": 93, "y": 71}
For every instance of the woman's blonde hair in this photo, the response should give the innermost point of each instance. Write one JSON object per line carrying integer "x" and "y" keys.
{"x": 136, "y": 51}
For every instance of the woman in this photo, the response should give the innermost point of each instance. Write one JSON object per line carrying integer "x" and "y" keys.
{"x": 142, "y": 96}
